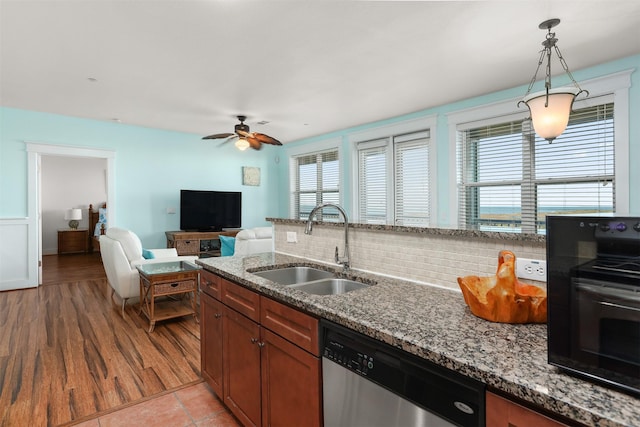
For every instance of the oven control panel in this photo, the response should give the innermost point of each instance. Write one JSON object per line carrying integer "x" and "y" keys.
{"x": 618, "y": 228}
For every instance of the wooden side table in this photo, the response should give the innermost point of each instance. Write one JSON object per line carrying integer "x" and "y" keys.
{"x": 73, "y": 240}
{"x": 174, "y": 284}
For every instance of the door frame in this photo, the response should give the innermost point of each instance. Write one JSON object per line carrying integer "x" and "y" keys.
{"x": 35, "y": 151}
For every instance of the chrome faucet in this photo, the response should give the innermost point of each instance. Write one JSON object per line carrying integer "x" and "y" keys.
{"x": 307, "y": 230}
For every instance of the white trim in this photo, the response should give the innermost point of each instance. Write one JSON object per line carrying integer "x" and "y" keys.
{"x": 399, "y": 128}
{"x": 316, "y": 147}
{"x": 35, "y": 151}
{"x": 617, "y": 84}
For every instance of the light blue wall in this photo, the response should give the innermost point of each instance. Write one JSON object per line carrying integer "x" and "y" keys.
{"x": 442, "y": 142}
{"x": 151, "y": 165}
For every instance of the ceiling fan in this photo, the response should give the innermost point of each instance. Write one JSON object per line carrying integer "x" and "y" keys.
{"x": 245, "y": 138}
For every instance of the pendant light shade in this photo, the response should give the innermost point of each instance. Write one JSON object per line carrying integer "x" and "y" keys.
{"x": 550, "y": 113}
{"x": 550, "y": 108}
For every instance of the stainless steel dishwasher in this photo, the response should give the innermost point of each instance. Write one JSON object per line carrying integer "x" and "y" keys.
{"x": 367, "y": 383}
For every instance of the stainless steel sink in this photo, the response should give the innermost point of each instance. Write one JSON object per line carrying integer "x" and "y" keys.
{"x": 294, "y": 275}
{"x": 332, "y": 286}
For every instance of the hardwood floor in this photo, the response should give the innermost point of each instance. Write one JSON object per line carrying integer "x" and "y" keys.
{"x": 67, "y": 354}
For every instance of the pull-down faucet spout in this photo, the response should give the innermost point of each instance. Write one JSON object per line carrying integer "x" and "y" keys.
{"x": 344, "y": 260}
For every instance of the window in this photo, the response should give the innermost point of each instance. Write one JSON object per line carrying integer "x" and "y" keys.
{"x": 509, "y": 179}
{"x": 393, "y": 180}
{"x": 316, "y": 180}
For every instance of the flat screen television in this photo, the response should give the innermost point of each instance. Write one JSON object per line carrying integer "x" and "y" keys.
{"x": 202, "y": 210}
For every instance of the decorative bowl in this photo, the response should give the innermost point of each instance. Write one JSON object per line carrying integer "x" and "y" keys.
{"x": 503, "y": 298}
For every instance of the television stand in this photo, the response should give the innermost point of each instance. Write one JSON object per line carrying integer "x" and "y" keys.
{"x": 203, "y": 244}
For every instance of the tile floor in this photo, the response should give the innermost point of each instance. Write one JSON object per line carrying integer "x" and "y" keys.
{"x": 195, "y": 405}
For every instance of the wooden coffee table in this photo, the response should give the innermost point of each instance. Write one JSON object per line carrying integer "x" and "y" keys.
{"x": 168, "y": 290}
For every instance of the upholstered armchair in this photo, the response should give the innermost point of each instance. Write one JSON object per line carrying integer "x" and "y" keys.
{"x": 121, "y": 252}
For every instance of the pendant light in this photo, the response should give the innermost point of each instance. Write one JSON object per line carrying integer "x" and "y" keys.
{"x": 550, "y": 108}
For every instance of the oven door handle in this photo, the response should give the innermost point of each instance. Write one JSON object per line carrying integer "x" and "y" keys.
{"x": 619, "y": 294}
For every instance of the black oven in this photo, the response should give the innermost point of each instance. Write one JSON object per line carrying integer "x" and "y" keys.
{"x": 593, "y": 288}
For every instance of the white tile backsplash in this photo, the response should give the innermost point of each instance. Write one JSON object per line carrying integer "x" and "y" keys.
{"x": 421, "y": 257}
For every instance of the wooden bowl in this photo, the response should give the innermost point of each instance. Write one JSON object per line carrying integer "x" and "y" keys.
{"x": 503, "y": 298}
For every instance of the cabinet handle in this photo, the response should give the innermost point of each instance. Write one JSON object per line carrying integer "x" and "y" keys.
{"x": 254, "y": 340}
{"x": 261, "y": 344}
{"x": 217, "y": 315}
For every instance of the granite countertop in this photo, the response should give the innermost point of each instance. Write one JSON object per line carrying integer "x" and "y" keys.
{"x": 435, "y": 324}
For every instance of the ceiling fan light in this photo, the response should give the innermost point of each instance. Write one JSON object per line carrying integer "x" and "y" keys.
{"x": 550, "y": 120}
{"x": 242, "y": 144}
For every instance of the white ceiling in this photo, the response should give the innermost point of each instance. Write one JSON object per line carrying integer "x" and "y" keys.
{"x": 306, "y": 67}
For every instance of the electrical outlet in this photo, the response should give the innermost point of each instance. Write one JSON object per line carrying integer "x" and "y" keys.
{"x": 292, "y": 237}
{"x": 532, "y": 269}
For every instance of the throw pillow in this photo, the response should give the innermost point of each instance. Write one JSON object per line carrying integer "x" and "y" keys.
{"x": 147, "y": 254}
{"x": 227, "y": 245}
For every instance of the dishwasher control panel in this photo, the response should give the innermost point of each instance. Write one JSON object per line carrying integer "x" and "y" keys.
{"x": 360, "y": 360}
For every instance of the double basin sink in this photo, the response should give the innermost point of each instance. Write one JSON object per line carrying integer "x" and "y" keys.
{"x": 311, "y": 280}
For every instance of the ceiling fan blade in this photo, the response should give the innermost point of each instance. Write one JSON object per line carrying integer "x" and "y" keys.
{"x": 266, "y": 139}
{"x": 244, "y": 134}
{"x": 254, "y": 143}
{"x": 219, "y": 135}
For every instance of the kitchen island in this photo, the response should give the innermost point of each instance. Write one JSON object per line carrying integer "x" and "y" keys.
{"x": 435, "y": 324}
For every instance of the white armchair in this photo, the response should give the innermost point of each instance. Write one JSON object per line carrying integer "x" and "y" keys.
{"x": 254, "y": 240}
{"x": 121, "y": 252}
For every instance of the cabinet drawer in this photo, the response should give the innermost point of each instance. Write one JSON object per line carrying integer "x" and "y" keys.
{"x": 241, "y": 299}
{"x": 175, "y": 287}
{"x": 188, "y": 247}
{"x": 291, "y": 324}
{"x": 210, "y": 284}
{"x": 502, "y": 412}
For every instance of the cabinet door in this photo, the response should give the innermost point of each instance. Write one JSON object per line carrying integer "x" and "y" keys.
{"x": 502, "y": 412}
{"x": 211, "y": 312}
{"x": 291, "y": 384}
{"x": 241, "y": 360}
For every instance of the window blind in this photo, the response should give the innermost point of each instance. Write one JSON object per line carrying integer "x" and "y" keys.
{"x": 393, "y": 180}
{"x": 411, "y": 160}
{"x": 317, "y": 180}
{"x": 372, "y": 182}
{"x": 510, "y": 179}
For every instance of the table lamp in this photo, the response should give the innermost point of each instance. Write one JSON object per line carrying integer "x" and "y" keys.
{"x": 74, "y": 215}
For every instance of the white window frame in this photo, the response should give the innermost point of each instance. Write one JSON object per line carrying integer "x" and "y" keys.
{"x": 332, "y": 144}
{"x": 388, "y": 131}
{"x": 617, "y": 84}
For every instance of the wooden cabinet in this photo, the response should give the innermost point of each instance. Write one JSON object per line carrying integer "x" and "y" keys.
{"x": 291, "y": 324}
{"x": 291, "y": 384}
{"x": 210, "y": 284}
{"x": 241, "y": 299}
{"x": 73, "y": 241}
{"x": 502, "y": 412}
{"x": 211, "y": 312}
{"x": 270, "y": 356}
{"x": 241, "y": 349}
{"x": 203, "y": 244}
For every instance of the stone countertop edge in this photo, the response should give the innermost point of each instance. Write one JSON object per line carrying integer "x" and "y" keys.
{"x": 434, "y": 323}
{"x": 451, "y": 232}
